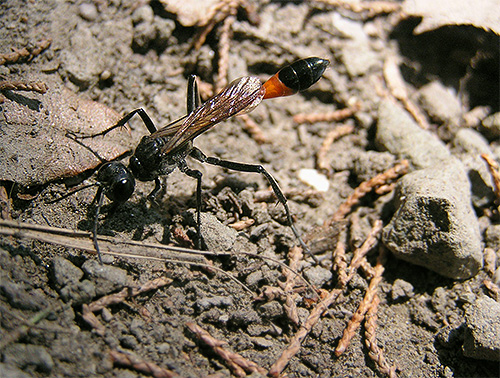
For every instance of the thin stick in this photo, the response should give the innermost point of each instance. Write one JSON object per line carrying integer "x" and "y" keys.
{"x": 238, "y": 364}
{"x": 25, "y": 54}
{"x": 141, "y": 365}
{"x": 332, "y": 136}
{"x": 296, "y": 341}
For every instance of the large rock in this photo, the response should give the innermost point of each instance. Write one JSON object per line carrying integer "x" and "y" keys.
{"x": 435, "y": 225}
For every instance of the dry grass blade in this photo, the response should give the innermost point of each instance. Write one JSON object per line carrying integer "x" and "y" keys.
{"x": 236, "y": 362}
{"x": 224, "y": 45}
{"x": 25, "y": 54}
{"x": 141, "y": 365}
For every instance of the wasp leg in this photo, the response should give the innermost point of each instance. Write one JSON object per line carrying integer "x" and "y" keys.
{"x": 197, "y": 175}
{"x": 98, "y": 199}
{"x": 256, "y": 168}
{"x": 141, "y": 112}
{"x": 193, "y": 95}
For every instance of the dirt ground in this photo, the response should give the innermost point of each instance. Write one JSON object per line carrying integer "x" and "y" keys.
{"x": 127, "y": 54}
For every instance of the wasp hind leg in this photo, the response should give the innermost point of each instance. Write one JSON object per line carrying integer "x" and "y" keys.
{"x": 196, "y": 175}
{"x": 256, "y": 168}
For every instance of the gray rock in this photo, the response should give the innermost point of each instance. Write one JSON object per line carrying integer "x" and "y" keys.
{"x": 23, "y": 355}
{"x": 318, "y": 275}
{"x": 217, "y": 236}
{"x": 88, "y": 11}
{"x": 491, "y": 126}
{"x": 468, "y": 145}
{"x": 370, "y": 163}
{"x": 79, "y": 292}
{"x": 439, "y": 102}
{"x": 84, "y": 63}
{"x": 20, "y": 296}
{"x": 435, "y": 225}
{"x": 401, "y": 289}
{"x": 218, "y": 301}
{"x": 65, "y": 272}
{"x": 271, "y": 310}
{"x": 107, "y": 278}
{"x": 482, "y": 334}
{"x": 399, "y": 134}
{"x": 8, "y": 371}
{"x": 492, "y": 237}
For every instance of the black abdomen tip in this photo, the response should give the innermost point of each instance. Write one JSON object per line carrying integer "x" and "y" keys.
{"x": 303, "y": 73}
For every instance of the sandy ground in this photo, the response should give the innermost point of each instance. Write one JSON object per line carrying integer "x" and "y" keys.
{"x": 126, "y": 56}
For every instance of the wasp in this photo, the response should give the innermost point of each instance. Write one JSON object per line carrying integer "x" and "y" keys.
{"x": 167, "y": 148}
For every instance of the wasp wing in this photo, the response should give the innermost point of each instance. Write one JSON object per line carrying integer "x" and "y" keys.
{"x": 241, "y": 96}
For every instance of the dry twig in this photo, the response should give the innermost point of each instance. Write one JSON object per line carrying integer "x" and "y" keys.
{"x": 36, "y": 86}
{"x": 321, "y": 307}
{"x": 495, "y": 173}
{"x": 88, "y": 310}
{"x": 397, "y": 88}
{"x": 25, "y": 54}
{"x": 238, "y": 364}
{"x": 140, "y": 365}
{"x": 295, "y": 255}
{"x": 365, "y": 187}
{"x": 251, "y": 127}
{"x": 359, "y": 315}
{"x": 332, "y": 136}
{"x": 335, "y": 116}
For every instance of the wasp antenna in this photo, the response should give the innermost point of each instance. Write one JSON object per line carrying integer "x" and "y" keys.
{"x": 295, "y": 77}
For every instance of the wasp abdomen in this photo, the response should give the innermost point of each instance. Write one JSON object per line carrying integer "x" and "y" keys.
{"x": 296, "y": 77}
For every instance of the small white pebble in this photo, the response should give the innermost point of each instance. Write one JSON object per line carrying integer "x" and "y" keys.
{"x": 315, "y": 179}
{"x": 88, "y": 11}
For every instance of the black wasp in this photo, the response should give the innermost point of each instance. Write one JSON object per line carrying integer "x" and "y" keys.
{"x": 166, "y": 149}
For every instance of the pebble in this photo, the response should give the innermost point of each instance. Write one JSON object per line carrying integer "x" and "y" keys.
{"x": 399, "y": 134}
{"x": 439, "y": 102}
{"x": 9, "y": 371}
{"x": 65, "y": 272}
{"x": 217, "y": 236}
{"x": 19, "y": 296}
{"x": 107, "y": 278}
{"x": 271, "y": 310}
{"x": 482, "y": 333}
{"x": 492, "y": 237}
{"x": 401, "y": 289}
{"x": 314, "y": 179}
{"x": 468, "y": 145}
{"x": 206, "y": 303}
{"x": 79, "y": 292}
{"x": 435, "y": 225}
{"x": 491, "y": 126}
{"x": 318, "y": 276}
{"x": 88, "y": 11}
{"x": 23, "y": 355}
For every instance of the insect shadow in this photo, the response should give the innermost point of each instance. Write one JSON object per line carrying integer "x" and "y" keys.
{"x": 167, "y": 148}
